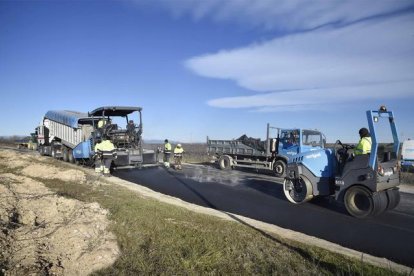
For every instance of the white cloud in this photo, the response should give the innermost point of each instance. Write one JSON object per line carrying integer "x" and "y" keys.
{"x": 373, "y": 59}
{"x": 311, "y": 99}
{"x": 281, "y": 14}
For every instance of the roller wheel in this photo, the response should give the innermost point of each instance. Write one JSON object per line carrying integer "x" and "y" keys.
{"x": 359, "y": 202}
{"x": 393, "y": 196}
{"x": 279, "y": 168}
{"x": 380, "y": 203}
{"x": 65, "y": 154}
{"x": 71, "y": 159}
{"x": 225, "y": 162}
{"x": 299, "y": 190}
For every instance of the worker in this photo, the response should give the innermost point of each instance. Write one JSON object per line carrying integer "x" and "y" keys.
{"x": 178, "y": 156}
{"x": 364, "y": 145}
{"x": 131, "y": 131}
{"x": 104, "y": 151}
{"x": 167, "y": 153}
{"x": 130, "y": 126}
{"x": 102, "y": 122}
{"x": 100, "y": 131}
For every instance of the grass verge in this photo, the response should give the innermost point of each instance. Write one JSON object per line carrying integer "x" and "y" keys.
{"x": 157, "y": 238}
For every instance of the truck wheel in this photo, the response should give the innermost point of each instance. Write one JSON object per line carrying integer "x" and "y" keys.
{"x": 359, "y": 202}
{"x": 279, "y": 168}
{"x": 299, "y": 190}
{"x": 393, "y": 196}
{"x": 71, "y": 159}
{"x": 54, "y": 152}
{"x": 225, "y": 162}
{"x": 65, "y": 155}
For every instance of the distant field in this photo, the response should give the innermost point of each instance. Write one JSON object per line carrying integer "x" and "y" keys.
{"x": 193, "y": 152}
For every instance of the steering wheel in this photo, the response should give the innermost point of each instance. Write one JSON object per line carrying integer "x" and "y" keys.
{"x": 346, "y": 147}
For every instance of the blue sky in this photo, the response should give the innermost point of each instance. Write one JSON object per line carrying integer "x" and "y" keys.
{"x": 217, "y": 68}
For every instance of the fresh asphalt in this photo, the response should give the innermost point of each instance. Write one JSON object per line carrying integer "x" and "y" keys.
{"x": 259, "y": 196}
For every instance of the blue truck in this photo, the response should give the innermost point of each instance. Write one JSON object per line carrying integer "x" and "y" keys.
{"x": 366, "y": 184}
{"x": 272, "y": 154}
{"x": 72, "y": 136}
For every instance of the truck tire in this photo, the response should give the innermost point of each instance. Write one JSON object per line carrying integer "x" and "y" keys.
{"x": 225, "y": 162}
{"x": 54, "y": 152}
{"x": 298, "y": 191}
{"x": 393, "y": 196}
{"x": 279, "y": 168}
{"x": 359, "y": 202}
{"x": 65, "y": 154}
{"x": 71, "y": 159}
{"x": 40, "y": 150}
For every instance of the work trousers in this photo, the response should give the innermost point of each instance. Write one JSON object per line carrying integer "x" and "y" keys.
{"x": 177, "y": 161}
{"x": 166, "y": 159}
{"x": 103, "y": 164}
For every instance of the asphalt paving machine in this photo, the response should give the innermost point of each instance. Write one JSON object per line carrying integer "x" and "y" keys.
{"x": 367, "y": 184}
{"x": 72, "y": 136}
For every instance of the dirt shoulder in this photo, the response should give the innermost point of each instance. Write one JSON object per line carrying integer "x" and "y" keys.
{"x": 44, "y": 233}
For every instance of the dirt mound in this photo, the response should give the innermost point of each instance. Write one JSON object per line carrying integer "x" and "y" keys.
{"x": 43, "y": 233}
{"x": 50, "y": 172}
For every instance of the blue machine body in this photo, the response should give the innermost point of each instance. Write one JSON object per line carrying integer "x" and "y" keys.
{"x": 321, "y": 162}
{"x": 83, "y": 150}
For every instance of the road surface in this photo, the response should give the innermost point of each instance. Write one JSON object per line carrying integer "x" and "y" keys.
{"x": 258, "y": 196}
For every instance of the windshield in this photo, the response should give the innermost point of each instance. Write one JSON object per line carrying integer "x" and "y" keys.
{"x": 289, "y": 137}
{"x": 312, "y": 138}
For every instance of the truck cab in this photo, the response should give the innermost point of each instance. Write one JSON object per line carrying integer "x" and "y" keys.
{"x": 294, "y": 141}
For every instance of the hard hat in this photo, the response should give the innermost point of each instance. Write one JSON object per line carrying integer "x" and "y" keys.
{"x": 179, "y": 145}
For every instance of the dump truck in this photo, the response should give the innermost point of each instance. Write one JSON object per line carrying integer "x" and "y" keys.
{"x": 72, "y": 135}
{"x": 271, "y": 154}
{"x": 367, "y": 184}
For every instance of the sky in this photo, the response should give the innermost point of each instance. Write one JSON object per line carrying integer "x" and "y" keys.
{"x": 217, "y": 68}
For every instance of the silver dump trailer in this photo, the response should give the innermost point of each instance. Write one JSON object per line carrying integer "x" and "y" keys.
{"x": 72, "y": 135}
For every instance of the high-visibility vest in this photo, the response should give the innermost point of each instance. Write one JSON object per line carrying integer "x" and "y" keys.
{"x": 178, "y": 150}
{"x": 105, "y": 145}
{"x": 364, "y": 146}
{"x": 167, "y": 148}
